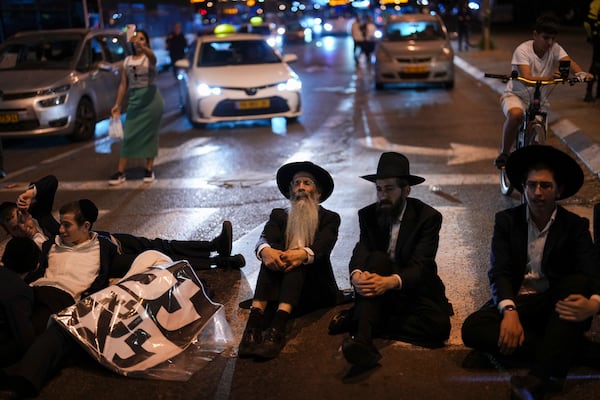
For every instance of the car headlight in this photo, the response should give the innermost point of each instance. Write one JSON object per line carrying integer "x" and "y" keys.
{"x": 54, "y": 101}
{"x": 291, "y": 85}
{"x": 203, "y": 90}
{"x": 446, "y": 54}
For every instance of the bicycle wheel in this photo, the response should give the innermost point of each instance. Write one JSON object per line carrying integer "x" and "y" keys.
{"x": 505, "y": 186}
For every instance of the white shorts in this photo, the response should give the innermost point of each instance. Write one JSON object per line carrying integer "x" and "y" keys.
{"x": 511, "y": 100}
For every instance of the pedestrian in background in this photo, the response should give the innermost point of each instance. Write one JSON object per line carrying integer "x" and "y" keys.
{"x": 463, "y": 27}
{"x": 176, "y": 46}
{"x": 144, "y": 110}
{"x": 592, "y": 30}
{"x": 369, "y": 30}
{"x": 358, "y": 37}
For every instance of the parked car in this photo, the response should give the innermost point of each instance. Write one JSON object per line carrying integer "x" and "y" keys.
{"x": 296, "y": 32}
{"x": 59, "y": 82}
{"x": 237, "y": 77}
{"x": 415, "y": 48}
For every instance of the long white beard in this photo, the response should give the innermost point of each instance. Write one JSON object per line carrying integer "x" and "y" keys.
{"x": 302, "y": 223}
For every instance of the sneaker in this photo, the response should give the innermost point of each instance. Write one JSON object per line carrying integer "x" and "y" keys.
{"x": 149, "y": 176}
{"x": 500, "y": 162}
{"x": 116, "y": 179}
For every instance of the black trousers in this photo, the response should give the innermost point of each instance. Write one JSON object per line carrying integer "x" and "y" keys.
{"x": 396, "y": 315}
{"x": 550, "y": 342}
{"x": 48, "y": 300}
{"x": 196, "y": 252}
{"x": 280, "y": 287}
{"x": 50, "y": 352}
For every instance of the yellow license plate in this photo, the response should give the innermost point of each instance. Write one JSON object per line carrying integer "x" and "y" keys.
{"x": 11, "y": 118}
{"x": 250, "y": 104}
{"x": 416, "y": 69}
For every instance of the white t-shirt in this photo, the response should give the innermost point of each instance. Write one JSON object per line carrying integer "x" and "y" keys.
{"x": 544, "y": 66}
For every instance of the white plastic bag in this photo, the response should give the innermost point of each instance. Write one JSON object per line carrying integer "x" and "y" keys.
{"x": 115, "y": 128}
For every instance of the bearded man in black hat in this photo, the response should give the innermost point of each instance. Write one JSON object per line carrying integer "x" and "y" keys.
{"x": 295, "y": 247}
{"x": 544, "y": 275}
{"x": 398, "y": 293}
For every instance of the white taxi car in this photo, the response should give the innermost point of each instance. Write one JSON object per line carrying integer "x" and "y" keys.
{"x": 236, "y": 77}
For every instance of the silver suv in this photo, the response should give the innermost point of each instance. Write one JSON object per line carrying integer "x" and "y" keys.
{"x": 59, "y": 82}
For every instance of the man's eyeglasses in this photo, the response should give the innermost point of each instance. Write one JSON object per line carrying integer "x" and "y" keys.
{"x": 533, "y": 185}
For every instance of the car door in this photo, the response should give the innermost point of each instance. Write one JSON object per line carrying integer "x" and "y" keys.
{"x": 103, "y": 71}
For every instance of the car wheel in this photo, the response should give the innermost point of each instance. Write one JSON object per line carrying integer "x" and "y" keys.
{"x": 85, "y": 122}
{"x": 378, "y": 86}
{"x": 449, "y": 85}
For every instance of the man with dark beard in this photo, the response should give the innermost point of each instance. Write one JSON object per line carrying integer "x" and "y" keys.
{"x": 295, "y": 247}
{"x": 398, "y": 294}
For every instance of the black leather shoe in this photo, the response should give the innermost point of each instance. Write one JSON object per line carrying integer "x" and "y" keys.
{"x": 530, "y": 387}
{"x": 341, "y": 322}
{"x": 272, "y": 344}
{"x": 360, "y": 352}
{"x": 236, "y": 261}
{"x": 223, "y": 242}
{"x": 251, "y": 339}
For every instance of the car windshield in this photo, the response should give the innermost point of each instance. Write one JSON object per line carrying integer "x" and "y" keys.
{"x": 413, "y": 30}
{"x": 39, "y": 53}
{"x": 239, "y": 52}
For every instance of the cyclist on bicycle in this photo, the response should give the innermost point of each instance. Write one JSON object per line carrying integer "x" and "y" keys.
{"x": 534, "y": 59}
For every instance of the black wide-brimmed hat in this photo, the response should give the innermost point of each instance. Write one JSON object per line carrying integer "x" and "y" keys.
{"x": 286, "y": 173}
{"x": 567, "y": 173}
{"x": 394, "y": 165}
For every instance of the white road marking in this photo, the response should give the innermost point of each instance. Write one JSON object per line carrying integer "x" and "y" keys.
{"x": 457, "y": 153}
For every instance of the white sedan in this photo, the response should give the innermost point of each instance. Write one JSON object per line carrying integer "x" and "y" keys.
{"x": 238, "y": 77}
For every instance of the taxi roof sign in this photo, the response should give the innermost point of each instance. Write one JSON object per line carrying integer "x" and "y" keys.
{"x": 224, "y": 29}
{"x": 255, "y": 21}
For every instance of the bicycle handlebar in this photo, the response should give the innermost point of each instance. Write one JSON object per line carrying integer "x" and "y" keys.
{"x": 514, "y": 76}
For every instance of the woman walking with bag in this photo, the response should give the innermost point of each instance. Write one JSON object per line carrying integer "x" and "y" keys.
{"x": 144, "y": 110}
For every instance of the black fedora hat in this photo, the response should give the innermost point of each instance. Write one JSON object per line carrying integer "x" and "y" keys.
{"x": 286, "y": 173}
{"x": 566, "y": 170}
{"x": 394, "y": 165}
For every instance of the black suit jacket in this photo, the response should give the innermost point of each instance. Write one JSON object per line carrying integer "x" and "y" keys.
{"x": 415, "y": 251}
{"x": 569, "y": 249}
